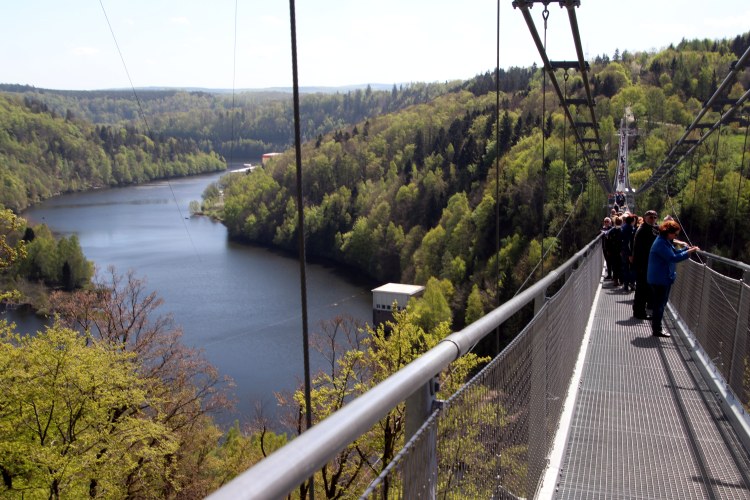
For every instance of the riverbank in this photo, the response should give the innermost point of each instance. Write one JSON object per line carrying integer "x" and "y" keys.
{"x": 238, "y": 303}
{"x": 33, "y": 295}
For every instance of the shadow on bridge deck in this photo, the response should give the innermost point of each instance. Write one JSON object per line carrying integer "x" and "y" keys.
{"x": 645, "y": 424}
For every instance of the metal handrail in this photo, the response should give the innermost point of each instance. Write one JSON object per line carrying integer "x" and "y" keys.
{"x": 285, "y": 469}
{"x": 718, "y": 258}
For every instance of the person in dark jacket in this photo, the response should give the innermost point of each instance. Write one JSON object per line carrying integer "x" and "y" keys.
{"x": 620, "y": 198}
{"x": 606, "y": 226}
{"x": 662, "y": 270}
{"x": 644, "y": 238}
{"x": 613, "y": 243}
{"x": 626, "y": 252}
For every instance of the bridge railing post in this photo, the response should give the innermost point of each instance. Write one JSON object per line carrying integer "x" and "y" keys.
{"x": 539, "y": 301}
{"x": 709, "y": 262}
{"x": 737, "y": 360}
{"x": 704, "y": 319}
{"x": 420, "y": 475}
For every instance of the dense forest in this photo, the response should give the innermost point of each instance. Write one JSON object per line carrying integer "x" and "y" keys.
{"x": 401, "y": 185}
{"x": 411, "y": 195}
{"x": 43, "y": 153}
{"x": 244, "y": 124}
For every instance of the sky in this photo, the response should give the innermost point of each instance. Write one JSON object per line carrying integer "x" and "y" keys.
{"x": 243, "y": 44}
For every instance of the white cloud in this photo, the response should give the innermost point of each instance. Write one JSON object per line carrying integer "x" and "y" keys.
{"x": 179, "y": 20}
{"x": 274, "y": 21}
{"x": 733, "y": 22}
{"x": 84, "y": 51}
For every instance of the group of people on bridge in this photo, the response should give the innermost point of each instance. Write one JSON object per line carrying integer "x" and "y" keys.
{"x": 619, "y": 200}
{"x": 641, "y": 256}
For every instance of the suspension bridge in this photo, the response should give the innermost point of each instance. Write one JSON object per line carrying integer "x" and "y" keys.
{"x": 584, "y": 402}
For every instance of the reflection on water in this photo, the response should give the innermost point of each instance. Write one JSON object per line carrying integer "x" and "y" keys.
{"x": 24, "y": 318}
{"x": 240, "y": 304}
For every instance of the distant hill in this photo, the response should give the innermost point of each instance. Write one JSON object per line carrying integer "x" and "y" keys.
{"x": 246, "y": 124}
{"x": 284, "y": 90}
{"x": 20, "y": 88}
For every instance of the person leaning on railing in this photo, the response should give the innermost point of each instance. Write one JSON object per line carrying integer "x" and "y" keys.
{"x": 662, "y": 270}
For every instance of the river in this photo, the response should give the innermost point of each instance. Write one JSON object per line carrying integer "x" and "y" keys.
{"x": 240, "y": 304}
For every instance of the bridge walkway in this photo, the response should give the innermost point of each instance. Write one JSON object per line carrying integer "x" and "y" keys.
{"x": 645, "y": 425}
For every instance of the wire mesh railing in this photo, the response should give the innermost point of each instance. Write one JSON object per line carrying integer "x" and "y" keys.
{"x": 716, "y": 309}
{"x": 491, "y": 438}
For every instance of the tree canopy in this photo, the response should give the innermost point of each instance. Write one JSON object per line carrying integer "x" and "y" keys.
{"x": 43, "y": 154}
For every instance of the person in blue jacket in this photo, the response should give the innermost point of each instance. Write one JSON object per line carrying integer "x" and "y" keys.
{"x": 662, "y": 264}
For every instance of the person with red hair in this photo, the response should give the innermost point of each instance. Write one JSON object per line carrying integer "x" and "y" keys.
{"x": 662, "y": 270}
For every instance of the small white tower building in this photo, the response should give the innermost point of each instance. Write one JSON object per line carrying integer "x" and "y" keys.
{"x": 383, "y": 298}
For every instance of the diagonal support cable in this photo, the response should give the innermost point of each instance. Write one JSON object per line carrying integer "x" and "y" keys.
{"x": 678, "y": 153}
{"x": 590, "y": 146}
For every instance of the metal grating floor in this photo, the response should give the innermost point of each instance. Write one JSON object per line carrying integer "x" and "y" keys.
{"x": 644, "y": 425}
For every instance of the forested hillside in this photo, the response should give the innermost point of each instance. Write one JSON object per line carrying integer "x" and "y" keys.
{"x": 411, "y": 195}
{"x": 245, "y": 124}
{"x": 400, "y": 184}
{"x": 43, "y": 153}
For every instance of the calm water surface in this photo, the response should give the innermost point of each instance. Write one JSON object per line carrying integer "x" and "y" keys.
{"x": 240, "y": 304}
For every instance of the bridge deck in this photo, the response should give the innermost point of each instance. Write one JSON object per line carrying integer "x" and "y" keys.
{"x": 644, "y": 424}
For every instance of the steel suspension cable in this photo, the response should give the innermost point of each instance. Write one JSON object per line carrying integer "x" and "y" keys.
{"x": 684, "y": 147}
{"x": 739, "y": 189}
{"x": 125, "y": 67}
{"x": 690, "y": 177}
{"x": 301, "y": 230}
{"x": 142, "y": 114}
{"x": 577, "y": 159}
{"x": 698, "y": 257}
{"x": 545, "y": 16}
{"x": 582, "y": 192}
{"x": 497, "y": 176}
{"x": 565, "y": 136}
{"x": 557, "y": 236}
{"x": 234, "y": 81}
{"x": 713, "y": 182}
{"x": 695, "y": 186}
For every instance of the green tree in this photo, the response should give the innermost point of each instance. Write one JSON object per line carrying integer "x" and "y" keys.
{"x": 12, "y": 248}
{"x": 427, "y": 259}
{"x": 71, "y": 420}
{"x": 54, "y": 262}
{"x": 41, "y": 262}
{"x": 433, "y": 309}
{"x": 70, "y": 256}
{"x": 356, "y": 361}
{"x": 358, "y": 244}
{"x": 183, "y": 389}
{"x": 194, "y": 207}
{"x": 386, "y": 353}
{"x": 474, "y": 305}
